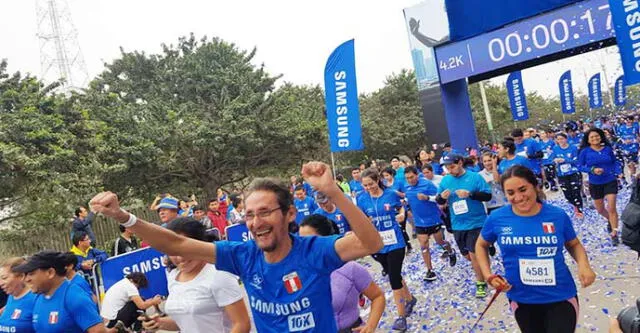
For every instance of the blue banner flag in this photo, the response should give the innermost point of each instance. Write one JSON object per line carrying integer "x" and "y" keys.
{"x": 517, "y": 97}
{"x": 595, "y": 92}
{"x": 238, "y": 233}
{"x": 567, "y": 102}
{"x": 341, "y": 99}
{"x": 148, "y": 261}
{"x": 620, "y": 98}
{"x": 625, "y": 16}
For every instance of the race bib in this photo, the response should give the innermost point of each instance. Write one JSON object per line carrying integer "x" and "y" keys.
{"x": 565, "y": 167}
{"x": 388, "y": 237}
{"x": 460, "y": 207}
{"x": 537, "y": 272}
{"x": 522, "y": 153}
{"x": 545, "y": 155}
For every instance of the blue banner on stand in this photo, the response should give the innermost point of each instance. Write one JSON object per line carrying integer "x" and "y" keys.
{"x": 238, "y": 233}
{"x": 341, "y": 99}
{"x": 148, "y": 261}
{"x": 625, "y": 16}
{"x": 517, "y": 97}
{"x": 620, "y": 98}
{"x": 567, "y": 102}
{"x": 595, "y": 92}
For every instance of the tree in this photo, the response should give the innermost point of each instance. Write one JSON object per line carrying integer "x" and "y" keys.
{"x": 198, "y": 116}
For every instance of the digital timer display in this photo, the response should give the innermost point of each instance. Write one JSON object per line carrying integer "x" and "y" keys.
{"x": 563, "y": 29}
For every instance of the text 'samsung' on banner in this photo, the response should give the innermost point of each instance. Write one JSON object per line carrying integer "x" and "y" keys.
{"x": 595, "y": 92}
{"x": 567, "y": 102}
{"x": 341, "y": 100}
{"x": 625, "y": 16}
{"x": 620, "y": 98}
{"x": 517, "y": 97}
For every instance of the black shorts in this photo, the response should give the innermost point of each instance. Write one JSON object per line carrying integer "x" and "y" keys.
{"x": 598, "y": 192}
{"x": 466, "y": 240}
{"x": 428, "y": 230}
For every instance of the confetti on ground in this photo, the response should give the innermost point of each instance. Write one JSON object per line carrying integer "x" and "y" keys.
{"x": 449, "y": 304}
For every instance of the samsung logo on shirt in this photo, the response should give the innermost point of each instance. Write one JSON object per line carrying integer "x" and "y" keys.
{"x": 528, "y": 240}
{"x": 279, "y": 309}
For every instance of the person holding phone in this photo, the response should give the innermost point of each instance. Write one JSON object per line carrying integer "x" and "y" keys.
{"x": 122, "y": 301}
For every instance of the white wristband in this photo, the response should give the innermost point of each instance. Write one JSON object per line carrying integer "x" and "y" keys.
{"x": 132, "y": 220}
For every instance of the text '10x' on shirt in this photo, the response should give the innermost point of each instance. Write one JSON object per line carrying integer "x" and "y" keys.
{"x": 532, "y": 253}
{"x": 293, "y": 295}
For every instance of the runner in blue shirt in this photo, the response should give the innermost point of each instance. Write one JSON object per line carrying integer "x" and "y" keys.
{"x": 71, "y": 261}
{"x": 60, "y": 306}
{"x": 329, "y": 210}
{"x": 508, "y": 157}
{"x": 565, "y": 156}
{"x": 628, "y": 134}
{"x": 386, "y": 212}
{"x": 531, "y": 236}
{"x": 18, "y": 312}
{"x": 597, "y": 159}
{"x": 574, "y": 136}
{"x": 398, "y": 167}
{"x": 287, "y": 277}
{"x": 545, "y": 145}
{"x": 465, "y": 192}
{"x": 390, "y": 181}
{"x": 305, "y": 205}
{"x": 528, "y": 148}
{"x": 421, "y": 195}
{"x": 355, "y": 184}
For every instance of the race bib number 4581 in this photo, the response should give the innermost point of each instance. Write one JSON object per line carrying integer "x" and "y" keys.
{"x": 537, "y": 272}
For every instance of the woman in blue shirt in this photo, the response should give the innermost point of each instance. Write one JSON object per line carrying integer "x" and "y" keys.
{"x": 531, "y": 235}
{"x": 599, "y": 162}
{"x": 383, "y": 207}
{"x": 565, "y": 157}
{"x": 18, "y": 311}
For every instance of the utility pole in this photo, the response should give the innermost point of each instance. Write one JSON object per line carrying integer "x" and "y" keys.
{"x": 60, "y": 54}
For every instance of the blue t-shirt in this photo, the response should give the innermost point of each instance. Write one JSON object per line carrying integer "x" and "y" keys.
{"x": 605, "y": 159}
{"x": 546, "y": 148}
{"x": 396, "y": 186}
{"x": 575, "y": 140}
{"x": 337, "y": 217}
{"x": 18, "y": 314}
{"x": 382, "y": 211}
{"x": 437, "y": 168}
{"x": 425, "y": 213}
{"x": 532, "y": 253}
{"x": 304, "y": 207}
{"x": 629, "y": 133}
{"x": 528, "y": 147}
{"x": 466, "y": 214}
{"x": 505, "y": 164}
{"x": 293, "y": 295}
{"x": 356, "y": 187}
{"x": 399, "y": 178}
{"x": 68, "y": 310}
{"x": 79, "y": 281}
{"x": 570, "y": 156}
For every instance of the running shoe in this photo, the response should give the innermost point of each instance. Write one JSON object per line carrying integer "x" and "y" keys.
{"x": 453, "y": 257}
{"x": 492, "y": 250}
{"x": 120, "y": 328}
{"x": 430, "y": 276}
{"x": 408, "y": 308}
{"x": 546, "y": 185}
{"x": 400, "y": 324}
{"x": 554, "y": 188}
{"x": 362, "y": 301}
{"x": 577, "y": 212}
{"x": 481, "y": 289}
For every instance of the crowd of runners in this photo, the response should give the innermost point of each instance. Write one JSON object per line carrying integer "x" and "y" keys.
{"x": 302, "y": 272}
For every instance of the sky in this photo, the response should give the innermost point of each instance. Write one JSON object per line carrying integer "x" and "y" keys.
{"x": 293, "y": 38}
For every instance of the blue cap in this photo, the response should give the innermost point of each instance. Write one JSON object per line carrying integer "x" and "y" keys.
{"x": 170, "y": 203}
{"x": 451, "y": 159}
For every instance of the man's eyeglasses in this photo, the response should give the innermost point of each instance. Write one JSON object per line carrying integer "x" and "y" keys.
{"x": 261, "y": 214}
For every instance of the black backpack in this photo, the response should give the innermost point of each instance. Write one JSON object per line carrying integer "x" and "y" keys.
{"x": 631, "y": 220}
